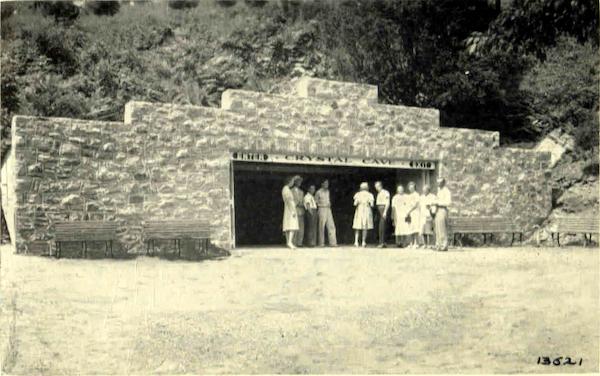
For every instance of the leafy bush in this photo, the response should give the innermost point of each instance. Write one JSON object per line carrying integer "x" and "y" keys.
{"x": 62, "y": 11}
{"x": 256, "y": 3}
{"x": 530, "y": 26}
{"x": 183, "y": 4}
{"x": 564, "y": 91}
{"x": 226, "y": 3}
{"x": 103, "y": 7}
{"x": 586, "y": 135}
{"x": 50, "y": 95}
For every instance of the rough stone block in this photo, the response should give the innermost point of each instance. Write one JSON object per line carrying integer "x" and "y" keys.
{"x": 70, "y": 149}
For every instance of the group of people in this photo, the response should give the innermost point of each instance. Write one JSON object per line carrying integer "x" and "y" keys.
{"x": 419, "y": 220}
{"x": 305, "y": 215}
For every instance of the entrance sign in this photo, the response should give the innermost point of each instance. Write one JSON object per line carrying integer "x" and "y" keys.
{"x": 332, "y": 160}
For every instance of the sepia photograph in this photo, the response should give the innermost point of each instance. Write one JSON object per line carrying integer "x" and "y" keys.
{"x": 194, "y": 187}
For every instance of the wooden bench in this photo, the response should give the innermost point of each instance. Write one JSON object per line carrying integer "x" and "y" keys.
{"x": 177, "y": 230}
{"x": 84, "y": 231}
{"x": 574, "y": 225}
{"x": 485, "y": 226}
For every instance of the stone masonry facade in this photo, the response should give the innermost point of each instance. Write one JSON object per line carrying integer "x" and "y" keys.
{"x": 173, "y": 161}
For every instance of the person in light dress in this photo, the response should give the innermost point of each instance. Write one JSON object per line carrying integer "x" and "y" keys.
{"x": 427, "y": 202}
{"x": 290, "y": 216}
{"x": 414, "y": 213}
{"x": 363, "y": 214}
{"x": 400, "y": 207}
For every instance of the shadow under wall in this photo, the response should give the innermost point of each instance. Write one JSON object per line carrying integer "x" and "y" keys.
{"x": 259, "y": 206}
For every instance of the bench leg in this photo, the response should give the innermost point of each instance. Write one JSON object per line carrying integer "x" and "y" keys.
{"x": 57, "y": 250}
{"x": 585, "y": 240}
{"x": 111, "y": 251}
{"x": 105, "y": 248}
{"x": 491, "y": 238}
{"x": 179, "y": 247}
{"x": 512, "y": 240}
{"x": 521, "y": 238}
{"x": 484, "y": 239}
{"x": 558, "y": 238}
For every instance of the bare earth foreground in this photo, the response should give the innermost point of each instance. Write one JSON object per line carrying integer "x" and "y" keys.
{"x": 309, "y": 311}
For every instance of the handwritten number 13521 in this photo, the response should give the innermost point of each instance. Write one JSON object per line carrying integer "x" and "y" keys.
{"x": 559, "y": 361}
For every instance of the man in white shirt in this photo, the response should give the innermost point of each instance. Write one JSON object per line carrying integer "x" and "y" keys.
{"x": 383, "y": 204}
{"x": 325, "y": 215}
{"x": 311, "y": 216}
{"x": 443, "y": 202}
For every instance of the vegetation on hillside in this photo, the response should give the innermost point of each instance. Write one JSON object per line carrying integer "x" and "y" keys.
{"x": 524, "y": 69}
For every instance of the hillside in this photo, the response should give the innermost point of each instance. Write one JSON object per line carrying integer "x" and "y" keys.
{"x": 523, "y": 68}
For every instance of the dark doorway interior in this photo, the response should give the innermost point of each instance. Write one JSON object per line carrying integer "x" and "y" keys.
{"x": 259, "y": 207}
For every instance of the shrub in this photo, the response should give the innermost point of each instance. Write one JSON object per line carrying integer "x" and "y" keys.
{"x": 183, "y": 4}
{"x": 62, "y": 11}
{"x": 50, "y": 95}
{"x": 60, "y": 45}
{"x": 586, "y": 135}
{"x": 103, "y": 7}
{"x": 256, "y": 3}
{"x": 226, "y": 3}
{"x": 592, "y": 168}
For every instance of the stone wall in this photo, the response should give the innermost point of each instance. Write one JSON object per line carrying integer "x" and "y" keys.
{"x": 172, "y": 161}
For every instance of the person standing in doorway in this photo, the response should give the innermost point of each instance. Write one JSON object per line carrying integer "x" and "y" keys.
{"x": 299, "y": 199}
{"x": 443, "y": 202}
{"x": 325, "y": 215}
{"x": 290, "y": 217}
{"x": 400, "y": 216}
{"x": 363, "y": 215}
{"x": 311, "y": 217}
{"x": 414, "y": 212}
{"x": 427, "y": 201}
{"x": 383, "y": 205}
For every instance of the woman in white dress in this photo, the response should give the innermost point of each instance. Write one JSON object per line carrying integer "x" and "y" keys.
{"x": 414, "y": 212}
{"x": 399, "y": 214}
{"x": 363, "y": 215}
{"x": 428, "y": 200}
{"x": 290, "y": 216}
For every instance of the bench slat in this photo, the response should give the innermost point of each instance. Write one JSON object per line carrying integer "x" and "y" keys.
{"x": 176, "y": 229}
{"x": 85, "y": 231}
{"x": 482, "y": 225}
{"x": 588, "y": 225}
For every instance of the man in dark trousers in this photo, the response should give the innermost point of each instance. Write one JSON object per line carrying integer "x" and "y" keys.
{"x": 383, "y": 204}
{"x": 311, "y": 217}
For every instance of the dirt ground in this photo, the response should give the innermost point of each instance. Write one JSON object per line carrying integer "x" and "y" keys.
{"x": 310, "y": 311}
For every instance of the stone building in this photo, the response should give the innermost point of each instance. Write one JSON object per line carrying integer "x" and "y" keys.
{"x": 228, "y": 164}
